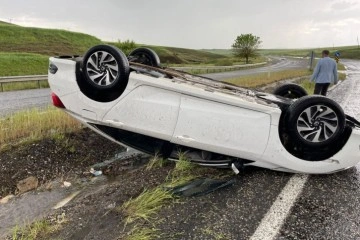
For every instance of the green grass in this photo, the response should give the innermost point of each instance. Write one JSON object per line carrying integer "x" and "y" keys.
{"x": 15, "y": 38}
{"x": 143, "y": 233}
{"x": 146, "y": 205}
{"x": 172, "y": 55}
{"x": 35, "y": 124}
{"x": 224, "y": 52}
{"x": 32, "y": 231}
{"x": 156, "y": 162}
{"x": 16, "y": 64}
{"x": 261, "y": 79}
{"x": 40, "y": 229}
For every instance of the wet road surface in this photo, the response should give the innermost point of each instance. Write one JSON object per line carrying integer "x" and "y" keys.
{"x": 279, "y": 64}
{"x": 329, "y": 206}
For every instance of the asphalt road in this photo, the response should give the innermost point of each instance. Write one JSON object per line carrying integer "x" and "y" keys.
{"x": 19, "y": 100}
{"x": 11, "y": 102}
{"x": 328, "y": 206}
{"x": 278, "y": 64}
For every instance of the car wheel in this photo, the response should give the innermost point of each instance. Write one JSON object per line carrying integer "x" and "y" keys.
{"x": 105, "y": 67}
{"x": 104, "y": 73}
{"x": 290, "y": 90}
{"x": 315, "y": 121}
{"x": 144, "y": 56}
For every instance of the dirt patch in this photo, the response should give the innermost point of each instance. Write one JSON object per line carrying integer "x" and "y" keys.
{"x": 53, "y": 158}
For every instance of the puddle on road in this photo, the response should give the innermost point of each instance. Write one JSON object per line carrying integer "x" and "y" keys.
{"x": 29, "y": 207}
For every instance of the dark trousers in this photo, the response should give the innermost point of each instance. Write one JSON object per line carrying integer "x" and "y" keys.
{"x": 321, "y": 88}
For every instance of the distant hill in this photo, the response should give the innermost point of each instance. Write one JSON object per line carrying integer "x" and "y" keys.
{"x": 225, "y": 52}
{"x": 184, "y": 55}
{"x": 52, "y": 42}
{"x": 350, "y": 52}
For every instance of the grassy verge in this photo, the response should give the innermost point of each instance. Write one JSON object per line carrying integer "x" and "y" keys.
{"x": 267, "y": 78}
{"x": 341, "y": 67}
{"x": 35, "y": 124}
{"x": 17, "y": 64}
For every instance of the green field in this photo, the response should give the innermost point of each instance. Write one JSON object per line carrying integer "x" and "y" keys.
{"x": 350, "y": 52}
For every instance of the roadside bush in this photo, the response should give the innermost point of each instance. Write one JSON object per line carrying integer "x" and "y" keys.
{"x": 126, "y": 46}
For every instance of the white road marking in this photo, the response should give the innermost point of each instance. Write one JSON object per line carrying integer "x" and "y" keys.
{"x": 273, "y": 220}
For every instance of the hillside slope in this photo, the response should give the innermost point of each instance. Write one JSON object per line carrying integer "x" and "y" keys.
{"x": 51, "y": 42}
{"x": 15, "y": 38}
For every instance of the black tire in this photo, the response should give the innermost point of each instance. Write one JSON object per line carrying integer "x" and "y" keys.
{"x": 145, "y": 56}
{"x": 290, "y": 90}
{"x": 315, "y": 121}
{"x": 105, "y": 67}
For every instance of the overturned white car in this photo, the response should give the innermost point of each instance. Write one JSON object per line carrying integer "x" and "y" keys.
{"x": 137, "y": 103}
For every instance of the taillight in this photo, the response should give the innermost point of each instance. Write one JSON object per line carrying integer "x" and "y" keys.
{"x": 56, "y": 101}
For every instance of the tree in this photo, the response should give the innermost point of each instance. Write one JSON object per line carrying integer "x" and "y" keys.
{"x": 246, "y": 45}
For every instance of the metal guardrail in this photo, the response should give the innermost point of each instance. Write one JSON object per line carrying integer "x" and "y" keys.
{"x": 23, "y": 78}
{"x": 205, "y": 69}
{"x": 13, "y": 79}
{"x": 213, "y": 68}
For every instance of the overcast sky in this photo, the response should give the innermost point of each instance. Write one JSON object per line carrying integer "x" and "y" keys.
{"x": 197, "y": 23}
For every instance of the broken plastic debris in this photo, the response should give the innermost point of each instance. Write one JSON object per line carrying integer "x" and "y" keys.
{"x": 200, "y": 187}
{"x": 95, "y": 173}
{"x": 122, "y": 156}
{"x": 67, "y": 184}
{"x": 235, "y": 169}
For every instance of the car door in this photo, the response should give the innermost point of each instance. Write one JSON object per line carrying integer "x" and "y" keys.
{"x": 221, "y": 128}
{"x": 148, "y": 111}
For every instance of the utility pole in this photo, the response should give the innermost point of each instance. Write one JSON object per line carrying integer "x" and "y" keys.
{"x": 358, "y": 40}
{"x": 312, "y": 56}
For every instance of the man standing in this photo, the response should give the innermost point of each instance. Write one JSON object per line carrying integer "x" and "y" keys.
{"x": 325, "y": 73}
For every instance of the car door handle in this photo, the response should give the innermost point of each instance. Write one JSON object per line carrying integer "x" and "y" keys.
{"x": 185, "y": 138}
